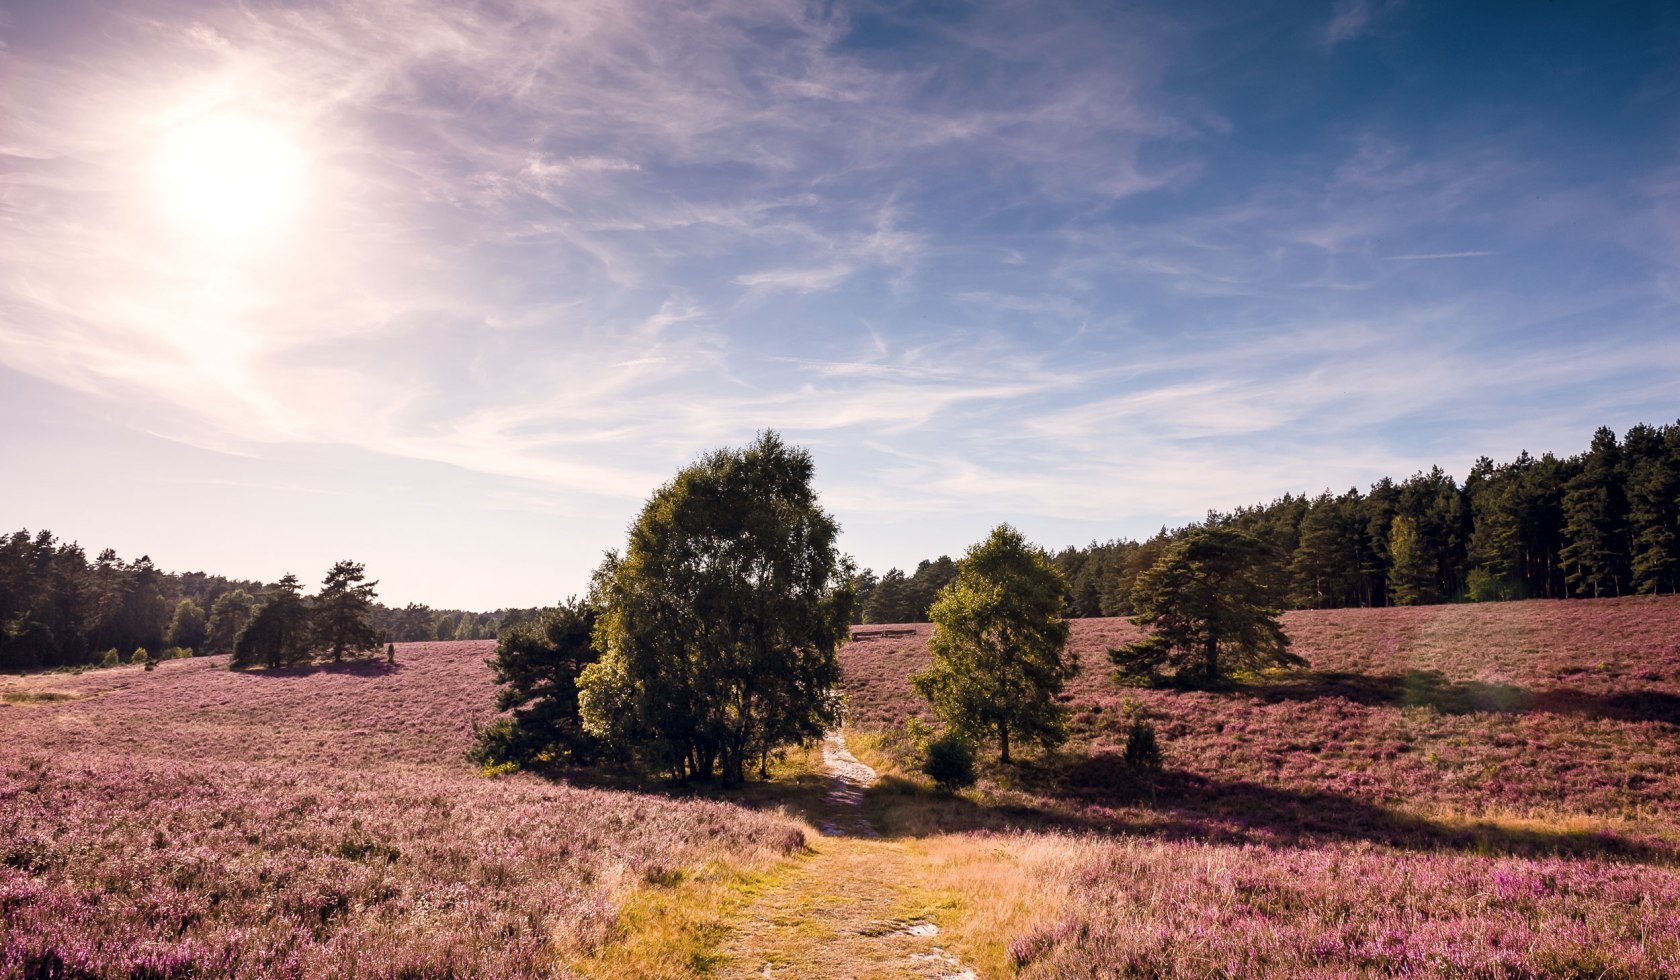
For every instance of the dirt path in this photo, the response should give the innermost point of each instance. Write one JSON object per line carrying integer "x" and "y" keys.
{"x": 857, "y": 907}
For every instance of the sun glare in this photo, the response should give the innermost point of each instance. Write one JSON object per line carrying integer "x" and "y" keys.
{"x": 232, "y": 176}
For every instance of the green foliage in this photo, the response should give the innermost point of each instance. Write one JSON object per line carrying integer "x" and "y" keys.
{"x": 999, "y": 645}
{"x": 278, "y": 632}
{"x": 228, "y": 615}
{"x": 1411, "y": 577}
{"x": 1210, "y": 617}
{"x": 187, "y": 628}
{"x": 538, "y": 663}
{"x": 390, "y": 653}
{"x": 111, "y": 659}
{"x": 343, "y": 613}
{"x": 949, "y": 762}
{"x": 718, "y": 626}
{"x": 1142, "y": 750}
{"x": 139, "y": 656}
{"x": 897, "y": 598}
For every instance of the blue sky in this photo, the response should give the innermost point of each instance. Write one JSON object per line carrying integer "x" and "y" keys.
{"x": 449, "y": 289}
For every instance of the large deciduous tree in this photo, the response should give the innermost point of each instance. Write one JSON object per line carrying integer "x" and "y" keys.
{"x": 187, "y": 628}
{"x": 718, "y": 625}
{"x": 343, "y": 614}
{"x": 1209, "y": 616}
{"x": 1000, "y": 645}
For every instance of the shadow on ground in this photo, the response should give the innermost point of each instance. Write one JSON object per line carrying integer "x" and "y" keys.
{"x": 1099, "y": 793}
{"x": 356, "y": 667}
{"x": 1425, "y": 688}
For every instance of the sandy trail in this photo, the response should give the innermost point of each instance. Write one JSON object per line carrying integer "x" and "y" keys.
{"x": 855, "y": 908}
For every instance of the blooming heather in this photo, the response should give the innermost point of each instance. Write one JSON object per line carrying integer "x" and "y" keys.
{"x": 311, "y": 822}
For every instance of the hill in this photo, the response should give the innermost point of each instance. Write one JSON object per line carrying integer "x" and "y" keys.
{"x": 1469, "y": 788}
{"x": 1449, "y": 790}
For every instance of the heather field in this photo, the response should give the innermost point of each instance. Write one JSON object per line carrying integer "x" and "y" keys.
{"x": 1488, "y": 790}
{"x": 193, "y": 821}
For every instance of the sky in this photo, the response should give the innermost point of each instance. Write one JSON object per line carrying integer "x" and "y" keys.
{"x": 450, "y": 289}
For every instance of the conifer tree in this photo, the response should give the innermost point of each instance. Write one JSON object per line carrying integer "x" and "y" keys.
{"x": 1210, "y": 616}
{"x": 278, "y": 632}
{"x": 1595, "y": 550}
{"x": 343, "y": 613}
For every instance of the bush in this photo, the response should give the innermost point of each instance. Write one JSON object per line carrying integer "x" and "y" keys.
{"x": 112, "y": 658}
{"x": 1142, "y": 751}
{"x": 390, "y": 653}
{"x": 140, "y": 656}
{"x": 950, "y": 763}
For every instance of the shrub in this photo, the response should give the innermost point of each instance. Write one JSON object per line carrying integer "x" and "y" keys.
{"x": 390, "y": 653}
{"x": 950, "y": 763}
{"x": 140, "y": 656}
{"x": 112, "y": 658}
{"x": 1142, "y": 751}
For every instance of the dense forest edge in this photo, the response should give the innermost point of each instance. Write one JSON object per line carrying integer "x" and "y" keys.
{"x": 1598, "y": 524}
{"x": 1605, "y": 522}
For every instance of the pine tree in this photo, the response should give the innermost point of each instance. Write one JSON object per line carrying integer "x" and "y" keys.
{"x": 1595, "y": 552}
{"x": 1653, "y": 486}
{"x": 278, "y": 632}
{"x": 1210, "y": 615}
{"x": 343, "y": 614}
{"x": 1411, "y": 575}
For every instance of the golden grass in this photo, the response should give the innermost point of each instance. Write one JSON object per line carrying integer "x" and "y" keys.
{"x": 36, "y": 697}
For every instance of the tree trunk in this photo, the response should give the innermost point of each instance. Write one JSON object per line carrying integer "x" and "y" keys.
{"x": 1003, "y": 742}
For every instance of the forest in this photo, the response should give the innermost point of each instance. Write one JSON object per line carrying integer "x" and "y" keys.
{"x": 1601, "y": 523}
{"x": 58, "y": 609}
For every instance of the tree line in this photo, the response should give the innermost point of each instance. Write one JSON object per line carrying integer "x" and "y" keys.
{"x": 1605, "y": 522}
{"x": 59, "y": 609}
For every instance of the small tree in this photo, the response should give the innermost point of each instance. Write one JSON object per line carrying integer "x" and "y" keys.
{"x": 999, "y": 645}
{"x": 343, "y": 614}
{"x": 228, "y": 615}
{"x": 187, "y": 628}
{"x": 1209, "y": 614}
{"x": 278, "y": 632}
{"x": 1142, "y": 751}
{"x": 950, "y": 763}
{"x": 538, "y": 663}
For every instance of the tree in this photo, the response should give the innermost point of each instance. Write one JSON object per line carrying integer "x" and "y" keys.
{"x": 343, "y": 615}
{"x": 718, "y": 626}
{"x": 187, "y": 628}
{"x": 228, "y": 616}
{"x": 278, "y": 632}
{"x": 1595, "y": 521}
{"x": 1411, "y": 574}
{"x": 999, "y": 645}
{"x": 538, "y": 664}
{"x": 1210, "y": 618}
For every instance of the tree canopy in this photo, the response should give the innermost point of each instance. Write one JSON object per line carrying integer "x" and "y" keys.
{"x": 278, "y": 632}
{"x": 718, "y": 625}
{"x": 999, "y": 645}
{"x": 538, "y": 663}
{"x": 343, "y": 613}
{"x": 1209, "y": 615}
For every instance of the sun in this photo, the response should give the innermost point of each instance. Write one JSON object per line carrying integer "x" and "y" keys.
{"x": 231, "y": 176}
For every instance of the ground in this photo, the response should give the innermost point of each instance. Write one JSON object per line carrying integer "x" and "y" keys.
{"x": 1446, "y": 791}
